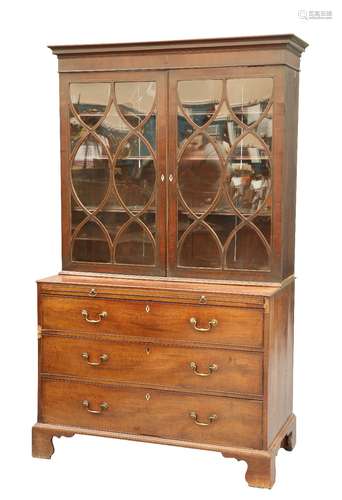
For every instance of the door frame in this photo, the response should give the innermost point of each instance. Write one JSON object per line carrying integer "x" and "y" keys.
{"x": 161, "y": 78}
{"x": 275, "y": 267}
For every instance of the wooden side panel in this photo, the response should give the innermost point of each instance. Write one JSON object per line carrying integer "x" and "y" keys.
{"x": 289, "y": 171}
{"x": 279, "y": 397}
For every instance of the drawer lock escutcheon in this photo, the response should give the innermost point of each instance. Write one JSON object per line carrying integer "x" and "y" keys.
{"x": 102, "y": 359}
{"x": 211, "y": 419}
{"x": 103, "y": 406}
{"x": 101, "y": 316}
{"x": 211, "y": 368}
{"x": 211, "y": 324}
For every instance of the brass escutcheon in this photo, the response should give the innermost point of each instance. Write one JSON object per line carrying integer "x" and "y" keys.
{"x": 203, "y": 299}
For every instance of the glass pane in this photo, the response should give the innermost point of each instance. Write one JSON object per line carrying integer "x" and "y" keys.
{"x": 135, "y": 100}
{"x": 185, "y": 129}
{"x": 90, "y": 100}
{"x": 222, "y": 224}
{"x": 224, "y": 130}
{"x": 200, "y": 99}
{"x": 199, "y": 173}
{"x": 90, "y": 173}
{"x": 249, "y": 97}
{"x": 264, "y": 224}
{"x": 76, "y": 131}
{"x": 247, "y": 251}
{"x": 77, "y": 215}
{"x": 113, "y": 129}
{"x": 149, "y": 131}
{"x": 249, "y": 175}
{"x": 222, "y": 158}
{"x": 134, "y": 246}
{"x": 135, "y": 173}
{"x": 199, "y": 249}
{"x": 91, "y": 245}
{"x": 113, "y": 220}
{"x": 265, "y": 128}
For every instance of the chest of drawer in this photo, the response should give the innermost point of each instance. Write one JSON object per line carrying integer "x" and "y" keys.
{"x": 194, "y": 368}
{"x": 193, "y": 418}
{"x": 167, "y": 321}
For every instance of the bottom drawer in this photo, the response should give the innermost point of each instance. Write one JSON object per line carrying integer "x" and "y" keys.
{"x": 139, "y": 411}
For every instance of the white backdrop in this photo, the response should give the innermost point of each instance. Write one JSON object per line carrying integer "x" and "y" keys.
{"x": 88, "y": 467}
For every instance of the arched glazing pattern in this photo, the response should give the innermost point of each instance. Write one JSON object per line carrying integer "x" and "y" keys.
{"x": 224, "y": 173}
{"x": 113, "y": 172}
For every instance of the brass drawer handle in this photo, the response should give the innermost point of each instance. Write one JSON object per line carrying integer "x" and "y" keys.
{"x": 103, "y": 406}
{"x": 103, "y": 358}
{"x": 211, "y": 419}
{"x": 101, "y": 315}
{"x": 212, "y": 323}
{"x": 211, "y": 368}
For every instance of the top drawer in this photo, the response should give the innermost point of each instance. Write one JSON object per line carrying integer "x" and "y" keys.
{"x": 166, "y": 321}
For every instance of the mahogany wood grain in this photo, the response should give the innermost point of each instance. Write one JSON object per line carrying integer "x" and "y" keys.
{"x": 152, "y": 412}
{"x": 235, "y": 326}
{"x": 46, "y": 431}
{"x": 152, "y": 392}
{"x": 42, "y": 445}
{"x": 261, "y": 467}
{"x": 279, "y": 395}
{"x": 154, "y": 365}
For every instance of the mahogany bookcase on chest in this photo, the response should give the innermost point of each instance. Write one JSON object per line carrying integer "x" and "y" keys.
{"x": 172, "y": 319}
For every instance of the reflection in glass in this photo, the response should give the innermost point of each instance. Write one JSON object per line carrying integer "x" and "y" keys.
{"x": 249, "y": 174}
{"x": 134, "y": 246}
{"x": 149, "y": 132}
{"x": 76, "y": 131}
{"x": 200, "y": 99}
{"x": 249, "y": 97}
{"x": 90, "y": 100}
{"x": 129, "y": 182}
{"x": 113, "y": 129}
{"x": 90, "y": 173}
{"x": 265, "y": 128}
{"x": 223, "y": 158}
{"x": 199, "y": 173}
{"x": 91, "y": 245}
{"x": 135, "y": 173}
{"x": 135, "y": 100}
{"x": 224, "y": 130}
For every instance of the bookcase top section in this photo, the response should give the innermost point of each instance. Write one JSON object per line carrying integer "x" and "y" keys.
{"x": 287, "y": 41}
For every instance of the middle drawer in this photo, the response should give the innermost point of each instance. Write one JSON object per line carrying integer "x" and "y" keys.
{"x": 193, "y": 368}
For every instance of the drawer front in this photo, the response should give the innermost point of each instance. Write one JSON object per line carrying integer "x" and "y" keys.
{"x": 208, "y": 324}
{"x": 181, "y": 367}
{"x": 140, "y": 411}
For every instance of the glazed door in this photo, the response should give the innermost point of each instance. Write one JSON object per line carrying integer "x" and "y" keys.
{"x": 113, "y": 166}
{"x": 221, "y": 173}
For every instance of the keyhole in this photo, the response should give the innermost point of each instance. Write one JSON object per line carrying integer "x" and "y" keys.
{"x": 147, "y": 350}
{"x": 147, "y": 308}
{"x": 148, "y": 396}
